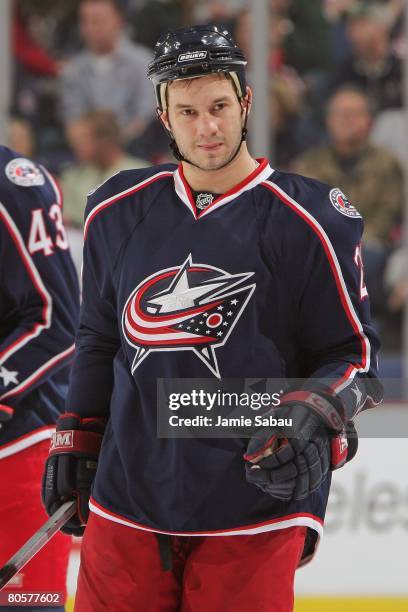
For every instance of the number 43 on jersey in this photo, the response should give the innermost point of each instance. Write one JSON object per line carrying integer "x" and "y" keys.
{"x": 39, "y": 239}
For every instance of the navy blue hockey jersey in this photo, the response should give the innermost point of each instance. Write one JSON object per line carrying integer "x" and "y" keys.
{"x": 288, "y": 250}
{"x": 39, "y": 302}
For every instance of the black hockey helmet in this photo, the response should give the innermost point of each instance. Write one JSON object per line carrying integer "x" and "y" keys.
{"x": 195, "y": 51}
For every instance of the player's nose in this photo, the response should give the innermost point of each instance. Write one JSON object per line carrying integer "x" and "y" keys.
{"x": 207, "y": 125}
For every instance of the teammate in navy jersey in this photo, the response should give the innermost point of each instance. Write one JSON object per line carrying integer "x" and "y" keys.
{"x": 220, "y": 267}
{"x": 39, "y": 305}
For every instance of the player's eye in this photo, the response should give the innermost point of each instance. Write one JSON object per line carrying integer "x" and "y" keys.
{"x": 187, "y": 112}
{"x": 219, "y": 106}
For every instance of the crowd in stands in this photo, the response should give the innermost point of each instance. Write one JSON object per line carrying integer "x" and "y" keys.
{"x": 82, "y": 103}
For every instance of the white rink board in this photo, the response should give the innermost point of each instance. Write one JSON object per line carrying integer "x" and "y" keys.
{"x": 365, "y": 543}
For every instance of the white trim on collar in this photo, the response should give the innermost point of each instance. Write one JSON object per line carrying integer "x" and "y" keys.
{"x": 260, "y": 174}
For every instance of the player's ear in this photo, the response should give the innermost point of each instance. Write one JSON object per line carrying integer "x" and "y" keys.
{"x": 246, "y": 102}
{"x": 163, "y": 117}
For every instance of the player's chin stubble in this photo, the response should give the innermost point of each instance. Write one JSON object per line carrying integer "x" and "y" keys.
{"x": 208, "y": 161}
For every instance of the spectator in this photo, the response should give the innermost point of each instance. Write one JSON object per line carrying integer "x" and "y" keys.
{"x": 243, "y": 32}
{"x": 154, "y": 17}
{"x": 396, "y": 279}
{"x": 278, "y": 30}
{"x": 285, "y": 108}
{"x": 396, "y": 291}
{"x": 370, "y": 176}
{"x": 34, "y": 81}
{"x": 21, "y": 137}
{"x": 335, "y": 13}
{"x": 95, "y": 141}
{"x": 372, "y": 66}
{"x": 309, "y": 25}
{"x": 110, "y": 72}
{"x": 292, "y": 117}
{"x": 28, "y": 51}
{"x": 389, "y": 132}
{"x": 219, "y": 12}
{"x": 292, "y": 26}
{"x": 397, "y": 18}
{"x": 52, "y": 24}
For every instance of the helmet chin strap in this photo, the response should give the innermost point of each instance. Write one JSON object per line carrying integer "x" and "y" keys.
{"x": 177, "y": 154}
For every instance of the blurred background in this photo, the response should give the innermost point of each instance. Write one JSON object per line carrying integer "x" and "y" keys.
{"x": 330, "y": 80}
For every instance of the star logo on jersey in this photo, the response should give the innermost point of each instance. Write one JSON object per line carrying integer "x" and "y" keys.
{"x": 192, "y": 307}
{"x": 8, "y": 376}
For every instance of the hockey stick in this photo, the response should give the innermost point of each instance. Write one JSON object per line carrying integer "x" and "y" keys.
{"x": 36, "y": 542}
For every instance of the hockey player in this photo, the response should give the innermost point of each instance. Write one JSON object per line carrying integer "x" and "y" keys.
{"x": 218, "y": 267}
{"x": 39, "y": 304}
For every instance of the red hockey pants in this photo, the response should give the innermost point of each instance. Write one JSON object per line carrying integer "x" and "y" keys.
{"x": 121, "y": 571}
{"x": 21, "y": 514}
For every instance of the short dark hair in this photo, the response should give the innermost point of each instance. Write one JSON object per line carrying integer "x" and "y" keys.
{"x": 353, "y": 89}
{"x": 104, "y": 124}
{"x": 117, "y": 4}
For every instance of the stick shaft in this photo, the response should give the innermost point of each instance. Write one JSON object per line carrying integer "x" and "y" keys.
{"x": 36, "y": 542}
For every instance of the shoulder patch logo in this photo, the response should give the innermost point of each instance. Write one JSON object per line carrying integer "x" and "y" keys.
{"x": 342, "y": 204}
{"x": 24, "y": 172}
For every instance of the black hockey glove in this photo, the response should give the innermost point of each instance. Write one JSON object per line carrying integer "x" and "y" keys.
{"x": 71, "y": 466}
{"x": 6, "y": 414}
{"x": 290, "y": 462}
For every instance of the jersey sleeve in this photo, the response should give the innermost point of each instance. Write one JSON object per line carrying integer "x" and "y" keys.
{"x": 38, "y": 318}
{"x": 337, "y": 343}
{"x": 337, "y": 339}
{"x": 98, "y": 339}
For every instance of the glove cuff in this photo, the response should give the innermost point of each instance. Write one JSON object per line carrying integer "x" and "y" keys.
{"x": 317, "y": 403}
{"x": 74, "y": 441}
{"x": 77, "y": 435}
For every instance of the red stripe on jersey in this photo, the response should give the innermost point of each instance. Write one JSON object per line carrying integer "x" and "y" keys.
{"x": 187, "y": 189}
{"x": 55, "y": 185}
{"x": 33, "y": 273}
{"x": 348, "y": 373}
{"x": 225, "y": 197}
{"x": 288, "y": 517}
{"x": 6, "y": 410}
{"x": 262, "y": 165}
{"x": 123, "y": 194}
{"x": 300, "y": 211}
{"x": 164, "y": 343}
{"x": 33, "y": 333}
{"x": 40, "y": 372}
